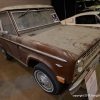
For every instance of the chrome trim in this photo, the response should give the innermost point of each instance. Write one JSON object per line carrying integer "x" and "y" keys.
{"x": 58, "y": 65}
{"x": 75, "y": 86}
{"x": 12, "y": 24}
{"x": 91, "y": 52}
{"x": 43, "y": 53}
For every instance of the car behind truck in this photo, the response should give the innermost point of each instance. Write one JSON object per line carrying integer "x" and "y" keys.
{"x": 33, "y": 35}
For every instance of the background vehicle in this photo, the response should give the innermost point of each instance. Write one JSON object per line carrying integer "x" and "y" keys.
{"x": 84, "y": 19}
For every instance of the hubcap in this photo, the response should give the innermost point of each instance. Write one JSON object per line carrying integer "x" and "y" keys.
{"x": 44, "y": 81}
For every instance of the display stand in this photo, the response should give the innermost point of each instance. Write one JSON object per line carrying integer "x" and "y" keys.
{"x": 91, "y": 84}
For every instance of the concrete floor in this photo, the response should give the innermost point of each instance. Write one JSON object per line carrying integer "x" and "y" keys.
{"x": 17, "y": 83}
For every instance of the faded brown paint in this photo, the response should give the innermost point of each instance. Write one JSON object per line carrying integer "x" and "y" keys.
{"x": 69, "y": 38}
{"x": 56, "y": 44}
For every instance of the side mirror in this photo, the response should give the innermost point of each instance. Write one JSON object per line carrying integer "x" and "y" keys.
{"x": 5, "y": 33}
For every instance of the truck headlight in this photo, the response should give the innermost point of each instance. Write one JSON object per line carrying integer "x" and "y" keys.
{"x": 79, "y": 66}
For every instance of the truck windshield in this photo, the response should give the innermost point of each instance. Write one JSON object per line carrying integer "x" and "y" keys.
{"x": 31, "y": 19}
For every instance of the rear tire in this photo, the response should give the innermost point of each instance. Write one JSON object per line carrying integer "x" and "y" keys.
{"x": 46, "y": 80}
{"x": 6, "y": 55}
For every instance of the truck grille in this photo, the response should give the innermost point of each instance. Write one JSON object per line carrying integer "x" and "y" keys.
{"x": 91, "y": 52}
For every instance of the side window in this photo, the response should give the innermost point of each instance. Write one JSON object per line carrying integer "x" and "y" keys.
{"x": 81, "y": 20}
{"x": 6, "y": 24}
{"x": 86, "y": 19}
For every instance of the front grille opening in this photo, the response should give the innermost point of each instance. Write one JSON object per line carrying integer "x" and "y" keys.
{"x": 91, "y": 51}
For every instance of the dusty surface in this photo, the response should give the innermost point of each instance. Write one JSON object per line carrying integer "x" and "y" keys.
{"x": 71, "y": 38}
{"x": 17, "y": 83}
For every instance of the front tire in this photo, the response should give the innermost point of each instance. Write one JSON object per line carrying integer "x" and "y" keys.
{"x": 46, "y": 80}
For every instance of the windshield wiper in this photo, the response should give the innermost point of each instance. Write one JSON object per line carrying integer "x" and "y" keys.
{"x": 24, "y": 13}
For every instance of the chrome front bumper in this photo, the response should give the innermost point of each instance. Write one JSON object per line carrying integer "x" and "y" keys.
{"x": 77, "y": 84}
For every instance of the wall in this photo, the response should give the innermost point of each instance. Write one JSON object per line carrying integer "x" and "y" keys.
{"x": 4, "y": 3}
{"x": 64, "y": 12}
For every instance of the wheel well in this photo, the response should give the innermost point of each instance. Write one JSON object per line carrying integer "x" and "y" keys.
{"x": 32, "y": 63}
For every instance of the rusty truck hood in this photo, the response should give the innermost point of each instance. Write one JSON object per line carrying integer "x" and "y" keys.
{"x": 75, "y": 39}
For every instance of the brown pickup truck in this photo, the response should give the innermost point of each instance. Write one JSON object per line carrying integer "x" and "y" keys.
{"x": 59, "y": 54}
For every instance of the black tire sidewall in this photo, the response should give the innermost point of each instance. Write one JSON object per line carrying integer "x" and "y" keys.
{"x": 45, "y": 70}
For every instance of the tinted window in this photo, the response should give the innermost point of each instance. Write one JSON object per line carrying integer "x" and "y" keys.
{"x": 87, "y": 19}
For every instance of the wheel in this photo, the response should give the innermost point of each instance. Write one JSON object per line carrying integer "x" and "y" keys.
{"x": 46, "y": 79}
{"x": 6, "y": 55}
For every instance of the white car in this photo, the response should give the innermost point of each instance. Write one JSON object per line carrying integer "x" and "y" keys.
{"x": 84, "y": 19}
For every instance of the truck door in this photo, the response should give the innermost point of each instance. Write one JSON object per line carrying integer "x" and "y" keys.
{"x": 8, "y": 36}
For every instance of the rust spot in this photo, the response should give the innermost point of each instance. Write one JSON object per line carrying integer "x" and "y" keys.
{"x": 95, "y": 40}
{"x": 86, "y": 45}
{"x": 74, "y": 44}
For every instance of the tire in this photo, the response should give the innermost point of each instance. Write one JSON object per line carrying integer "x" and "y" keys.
{"x": 6, "y": 55}
{"x": 46, "y": 80}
